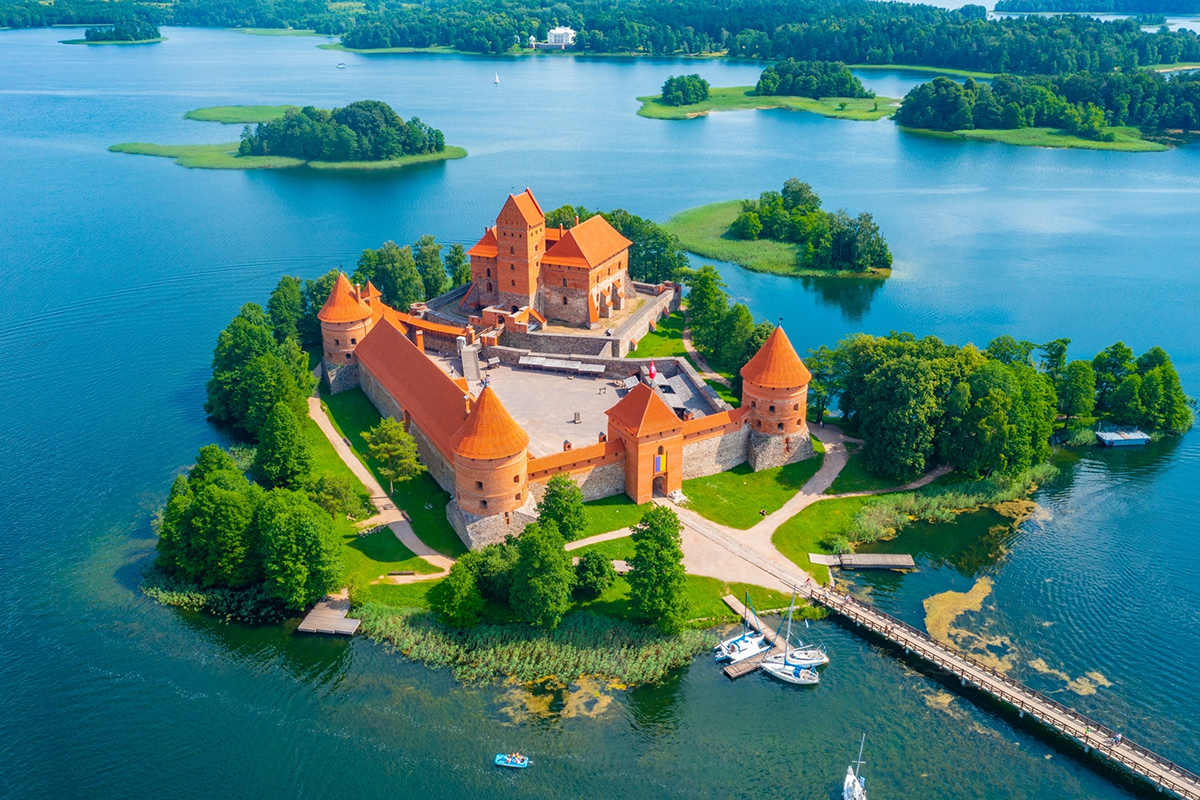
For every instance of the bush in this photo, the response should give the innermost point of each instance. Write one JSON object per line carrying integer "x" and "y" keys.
{"x": 593, "y": 574}
{"x": 337, "y": 495}
{"x": 456, "y": 600}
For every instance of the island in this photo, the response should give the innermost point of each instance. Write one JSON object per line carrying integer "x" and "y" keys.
{"x": 785, "y": 233}
{"x": 130, "y": 32}
{"x": 823, "y": 87}
{"x": 366, "y": 135}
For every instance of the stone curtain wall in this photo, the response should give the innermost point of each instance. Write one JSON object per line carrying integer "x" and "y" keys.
{"x": 558, "y": 344}
{"x": 655, "y": 308}
{"x": 772, "y": 450}
{"x": 606, "y": 480}
{"x": 477, "y": 532}
{"x": 341, "y": 376}
{"x": 386, "y": 405}
{"x": 716, "y": 453}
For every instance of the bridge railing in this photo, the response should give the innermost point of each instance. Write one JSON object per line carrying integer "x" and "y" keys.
{"x": 1019, "y": 695}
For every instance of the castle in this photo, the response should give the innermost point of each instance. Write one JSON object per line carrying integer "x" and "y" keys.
{"x": 662, "y": 423}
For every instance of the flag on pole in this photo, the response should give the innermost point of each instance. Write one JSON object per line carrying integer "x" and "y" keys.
{"x": 653, "y": 372}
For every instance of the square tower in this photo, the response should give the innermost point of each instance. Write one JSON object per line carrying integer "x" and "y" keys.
{"x": 520, "y": 245}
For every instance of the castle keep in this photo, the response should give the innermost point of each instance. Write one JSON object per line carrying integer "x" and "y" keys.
{"x": 613, "y": 424}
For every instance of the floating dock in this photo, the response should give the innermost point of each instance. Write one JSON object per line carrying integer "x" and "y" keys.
{"x": 865, "y": 560}
{"x": 750, "y": 664}
{"x": 1122, "y": 438}
{"x": 329, "y": 616}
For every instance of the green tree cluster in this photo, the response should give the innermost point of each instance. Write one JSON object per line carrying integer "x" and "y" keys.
{"x": 1083, "y": 104}
{"x": 1145, "y": 392}
{"x": 832, "y": 241}
{"x": 131, "y": 31}
{"x": 253, "y": 372}
{"x": 815, "y": 79}
{"x": 655, "y": 255}
{"x": 406, "y": 275}
{"x": 657, "y": 583}
{"x": 684, "y": 90}
{"x": 1149, "y": 12}
{"x": 368, "y": 130}
{"x": 726, "y": 334}
{"x": 220, "y": 530}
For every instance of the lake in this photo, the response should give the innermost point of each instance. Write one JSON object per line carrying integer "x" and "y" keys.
{"x": 120, "y": 270}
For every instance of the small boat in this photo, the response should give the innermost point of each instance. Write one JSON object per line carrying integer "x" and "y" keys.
{"x": 786, "y": 669}
{"x": 748, "y": 643}
{"x": 854, "y": 787}
{"x": 341, "y": 65}
{"x": 497, "y": 77}
{"x": 514, "y": 761}
{"x": 792, "y": 673}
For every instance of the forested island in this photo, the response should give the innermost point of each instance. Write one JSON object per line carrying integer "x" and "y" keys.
{"x": 130, "y": 32}
{"x": 366, "y": 134}
{"x": 785, "y": 232}
{"x": 826, "y": 88}
{"x": 1108, "y": 111}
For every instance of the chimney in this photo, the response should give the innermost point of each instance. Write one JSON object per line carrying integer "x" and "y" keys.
{"x": 603, "y": 438}
{"x": 566, "y": 445}
{"x": 467, "y": 400}
{"x": 419, "y": 336}
{"x": 576, "y": 220}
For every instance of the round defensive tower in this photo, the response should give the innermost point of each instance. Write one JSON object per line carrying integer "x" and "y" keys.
{"x": 345, "y": 320}
{"x": 491, "y": 468}
{"x": 775, "y": 389}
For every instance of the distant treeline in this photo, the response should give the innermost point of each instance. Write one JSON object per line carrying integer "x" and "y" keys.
{"x": 368, "y": 130}
{"x": 132, "y": 31}
{"x": 815, "y": 79}
{"x": 320, "y": 15}
{"x": 1082, "y": 104}
{"x": 684, "y": 90}
{"x": 1101, "y": 6}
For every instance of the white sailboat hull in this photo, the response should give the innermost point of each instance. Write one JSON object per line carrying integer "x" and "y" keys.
{"x": 802, "y": 657}
{"x": 792, "y": 673}
{"x": 853, "y": 788}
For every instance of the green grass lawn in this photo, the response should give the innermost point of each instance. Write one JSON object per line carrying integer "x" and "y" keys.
{"x": 420, "y": 497}
{"x": 407, "y": 595}
{"x": 811, "y": 529}
{"x": 611, "y": 514}
{"x": 740, "y": 98}
{"x": 1127, "y": 139}
{"x": 854, "y": 477}
{"x": 666, "y": 342}
{"x": 613, "y": 549}
{"x": 224, "y": 156}
{"x": 704, "y": 230}
{"x": 735, "y": 497}
{"x": 237, "y": 115}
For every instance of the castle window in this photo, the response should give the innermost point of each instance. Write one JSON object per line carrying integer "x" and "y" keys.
{"x": 780, "y": 426}
{"x": 489, "y": 287}
{"x": 660, "y": 450}
{"x": 347, "y": 356}
{"x": 478, "y": 484}
{"x": 564, "y": 282}
{"x": 518, "y": 495}
{"x": 564, "y": 301}
{"x": 514, "y": 283}
{"x": 354, "y": 341}
{"x": 772, "y": 409}
{"x": 337, "y": 341}
{"x": 489, "y": 272}
{"x": 516, "y": 478}
{"x": 796, "y": 407}
{"x": 511, "y": 250}
{"x": 483, "y": 503}
{"x": 754, "y": 404}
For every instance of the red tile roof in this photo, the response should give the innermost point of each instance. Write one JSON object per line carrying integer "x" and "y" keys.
{"x": 421, "y": 387}
{"x": 576, "y": 458}
{"x": 485, "y": 247}
{"x": 643, "y": 413}
{"x": 587, "y": 245}
{"x": 490, "y": 431}
{"x": 527, "y": 207}
{"x": 343, "y": 304}
{"x": 776, "y": 365}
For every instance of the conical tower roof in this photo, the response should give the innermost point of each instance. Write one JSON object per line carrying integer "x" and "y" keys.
{"x": 489, "y": 430}
{"x": 643, "y": 413}
{"x": 343, "y": 304}
{"x": 776, "y": 365}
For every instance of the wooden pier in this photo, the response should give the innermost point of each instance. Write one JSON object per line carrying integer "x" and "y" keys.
{"x": 865, "y": 560}
{"x": 329, "y": 616}
{"x": 750, "y": 664}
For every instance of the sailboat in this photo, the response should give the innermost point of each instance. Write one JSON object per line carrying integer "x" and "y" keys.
{"x": 801, "y": 656}
{"x": 855, "y": 786}
{"x": 783, "y": 668}
{"x": 497, "y": 77}
{"x": 748, "y": 643}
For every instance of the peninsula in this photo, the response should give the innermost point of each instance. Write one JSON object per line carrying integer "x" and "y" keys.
{"x": 367, "y": 135}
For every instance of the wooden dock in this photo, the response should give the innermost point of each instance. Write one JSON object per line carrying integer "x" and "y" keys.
{"x": 865, "y": 560}
{"x": 329, "y": 616}
{"x": 750, "y": 664}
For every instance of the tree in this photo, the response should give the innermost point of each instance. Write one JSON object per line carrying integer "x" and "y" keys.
{"x": 562, "y": 504}
{"x": 655, "y": 255}
{"x": 593, "y": 575}
{"x": 316, "y": 292}
{"x": 300, "y": 550}
{"x": 456, "y": 599}
{"x": 1054, "y": 358}
{"x": 1111, "y": 364}
{"x": 428, "y": 258}
{"x": 542, "y": 576}
{"x": 820, "y": 363}
{"x": 568, "y": 216}
{"x": 335, "y": 493}
{"x": 394, "y": 273}
{"x": 657, "y": 581}
{"x": 457, "y": 265}
{"x": 1125, "y": 404}
{"x": 395, "y": 450}
{"x": 285, "y": 308}
{"x": 223, "y": 544}
{"x": 283, "y": 457}
{"x": 897, "y": 413}
{"x": 1077, "y": 392}
{"x": 707, "y": 304}
{"x": 1008, "y": 350}
{"x": 747, "y": 225}
{"x": 172, "y": 544}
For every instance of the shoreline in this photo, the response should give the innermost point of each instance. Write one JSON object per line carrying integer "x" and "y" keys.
{"x": 135, "y": 41}
{"x": 224, "y": 156}
{"x": 739, "y": 98}
{"x": 1129, "y": 140}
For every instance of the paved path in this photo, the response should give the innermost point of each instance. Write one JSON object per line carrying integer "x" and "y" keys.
{"x": 603, "y": 537}
{"x": 388, "y": 514}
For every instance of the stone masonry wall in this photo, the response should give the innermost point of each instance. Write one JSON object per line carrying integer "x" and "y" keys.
{"x": 715, "y": 454}
{"x": 477, "y": 532}
{"x": 770, "y": 450}
{"x": 386, "y": 405}
{"x": 558, "y": 344}
{"x": 341, "y": 376}
{"x": 606, "y": 480}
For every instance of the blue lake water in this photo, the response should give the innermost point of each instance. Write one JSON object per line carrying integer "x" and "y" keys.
{"x": 118, "y": 271}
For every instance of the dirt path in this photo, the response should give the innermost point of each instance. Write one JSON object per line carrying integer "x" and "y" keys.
{"x": 702, "y": 366}
{"x": 388, "y": 514}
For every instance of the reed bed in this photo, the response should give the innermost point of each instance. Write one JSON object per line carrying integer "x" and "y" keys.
{"x": 251, "y": 605}
{"x": 582, "y": 644}
{"x": 886, "y": 516}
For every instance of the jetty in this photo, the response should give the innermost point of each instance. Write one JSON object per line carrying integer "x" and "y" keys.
{"x": 865, "y": 560}
{"x": 741, "y": 668}
{"x": 329, "y": 616}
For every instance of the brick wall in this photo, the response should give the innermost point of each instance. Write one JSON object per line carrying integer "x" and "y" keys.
{"x": 769, "y": 450}
{"x": 716, "y": 453}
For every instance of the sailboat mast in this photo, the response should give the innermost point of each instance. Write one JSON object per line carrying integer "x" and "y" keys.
{"x": 787, "y": 639}
{"x": 859, "y": 763}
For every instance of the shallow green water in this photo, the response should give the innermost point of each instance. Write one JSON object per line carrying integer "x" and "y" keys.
{"x": 118, "y": 271}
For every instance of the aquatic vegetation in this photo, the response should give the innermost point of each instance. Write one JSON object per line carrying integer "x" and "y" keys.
{"x": 582, "y": 644}
{"x": 251, "y": 605}
{"x": 886, "y": 516}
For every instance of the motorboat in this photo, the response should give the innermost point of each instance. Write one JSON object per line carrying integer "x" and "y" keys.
{"x": 341, "y": 66}
{"x": 513, "y": 761}
{"x": 854, "y": 787}
{"x": 739, "y": 648}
